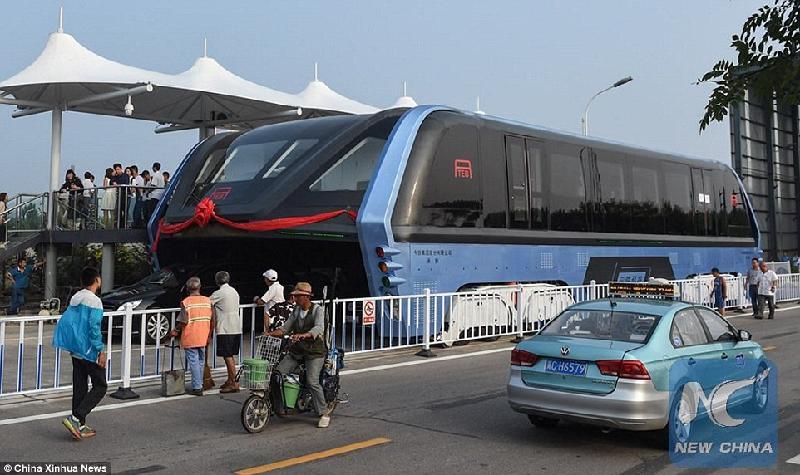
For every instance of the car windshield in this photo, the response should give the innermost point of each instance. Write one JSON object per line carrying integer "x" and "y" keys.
{"x": 603, "y": 325}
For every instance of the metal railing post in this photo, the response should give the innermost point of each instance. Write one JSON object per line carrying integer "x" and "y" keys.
{"x": 699, "y": 291}
{"x": 125, "y": 391}
{"x": 426, "y": 331}
{"x": 520, "y": 320}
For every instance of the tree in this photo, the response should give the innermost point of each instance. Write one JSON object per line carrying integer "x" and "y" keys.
{"x": 767, "y": 61}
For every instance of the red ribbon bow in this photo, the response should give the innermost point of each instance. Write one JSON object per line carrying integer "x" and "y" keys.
{"x": 205, "y": 212}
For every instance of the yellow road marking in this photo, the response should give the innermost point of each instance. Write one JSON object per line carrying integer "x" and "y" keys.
{"x": 313, "y": 457}
{"x": 769, "y": 348}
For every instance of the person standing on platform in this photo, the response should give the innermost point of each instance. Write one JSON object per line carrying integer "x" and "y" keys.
{"x": 157, "y": 182}
{"x": 194, "y": 329}
{"x": 79, "y": 332}
{"x": 767, "y": 285}
{"x": 3, "y": 208}
{"x": 122, "y": 180}
{"x": 228, "y": 326}
{"x": 751, "y": 284}
{"x": 136, "y": 195}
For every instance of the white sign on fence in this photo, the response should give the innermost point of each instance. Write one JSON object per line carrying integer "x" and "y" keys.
{"x": 369, "y": 313}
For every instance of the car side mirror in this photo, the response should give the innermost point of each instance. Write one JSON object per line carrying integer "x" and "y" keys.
{"x": 745, "y": 335}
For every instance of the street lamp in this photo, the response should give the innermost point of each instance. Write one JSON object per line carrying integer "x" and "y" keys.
{"x": 585, "y": 117}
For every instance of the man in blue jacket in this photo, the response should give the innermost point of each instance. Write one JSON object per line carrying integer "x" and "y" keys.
{"x": 78, "y": 331}
{"x": 20, "y": 276}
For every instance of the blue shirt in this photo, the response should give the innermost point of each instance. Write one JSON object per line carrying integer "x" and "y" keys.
{"x": 21, "y": 278}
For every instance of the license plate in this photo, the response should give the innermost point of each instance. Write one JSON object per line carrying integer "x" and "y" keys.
{"x": 574, "y": 368}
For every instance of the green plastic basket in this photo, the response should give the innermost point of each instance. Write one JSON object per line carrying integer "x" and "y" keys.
{"x": 255, "y": 373}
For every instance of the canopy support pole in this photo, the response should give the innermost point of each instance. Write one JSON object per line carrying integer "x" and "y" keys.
{"x": 55, "y": 166}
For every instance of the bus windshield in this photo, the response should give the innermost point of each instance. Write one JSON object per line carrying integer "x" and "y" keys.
{"x": 265, "y": 154}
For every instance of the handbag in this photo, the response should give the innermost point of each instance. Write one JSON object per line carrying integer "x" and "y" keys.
{"x": 173, "y": 382}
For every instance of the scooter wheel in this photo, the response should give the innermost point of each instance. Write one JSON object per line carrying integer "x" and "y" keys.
{"x": 255, "y": 413}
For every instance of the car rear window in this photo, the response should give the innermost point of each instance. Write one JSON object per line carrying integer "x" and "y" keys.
{"x": 603, "y": 325}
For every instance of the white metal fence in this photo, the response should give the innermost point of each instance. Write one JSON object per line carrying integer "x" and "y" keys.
{"x": 29, "y": 364}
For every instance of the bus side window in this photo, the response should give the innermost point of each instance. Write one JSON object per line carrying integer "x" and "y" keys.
{"x": 567, "y": 189}
{"x": 646, "y": 206}
{"x": 677, "y": 199}
{"x": 614, "y": 207}
{"x": 493, "y": 177}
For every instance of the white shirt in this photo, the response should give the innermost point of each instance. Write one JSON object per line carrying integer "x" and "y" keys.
{"x": 273, "y": 295}
{"x": 766, "y": 281}
{"x": 87, "y": 187}
{"x": 157, "y": 181}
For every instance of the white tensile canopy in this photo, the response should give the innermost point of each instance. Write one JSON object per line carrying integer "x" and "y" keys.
{"x": 68, "y": 76}
{"x": 405, "y": 100}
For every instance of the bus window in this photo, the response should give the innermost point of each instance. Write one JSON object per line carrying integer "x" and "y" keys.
{"x": 495, "y": 205}
{"x": 538, "y": 196}
{"x": 452, "y": 196}
{"x": 517, "y": 183}
{"x": 677, "y": 199}
{"x": 738, "y": 220}
{"x": 567, "y": 189}
{"x": 646, "y": 215}
{"x": 614, "y": 208}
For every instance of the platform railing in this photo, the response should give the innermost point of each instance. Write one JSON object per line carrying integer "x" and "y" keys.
{"x": 104, "y": 207}
{"x": 30, "y": 365}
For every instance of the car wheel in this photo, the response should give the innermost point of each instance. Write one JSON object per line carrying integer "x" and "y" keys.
{"x": 760, "y": 400}
{"x": 676, "y": 429}
{"x": 543, "y": 422}
{"x": 156, "y": 327}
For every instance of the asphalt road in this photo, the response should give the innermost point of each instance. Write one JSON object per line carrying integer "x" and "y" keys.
{"x": 440, "y": 415}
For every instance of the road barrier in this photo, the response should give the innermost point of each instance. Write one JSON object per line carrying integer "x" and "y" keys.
{"x": 30, "y": 365}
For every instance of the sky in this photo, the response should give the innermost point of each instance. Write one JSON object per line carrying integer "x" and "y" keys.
{"x": 534, "y": 61}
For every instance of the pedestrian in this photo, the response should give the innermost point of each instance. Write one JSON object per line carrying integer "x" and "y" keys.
{"x": 73, "y": 188}
{"x": 144, "y": 197}
{"x": 166, "y": 178}
{"x": 79, "y": 331}
{"x": 194, "y": 330}
{"x": 3, "y": 219}
{"x": 109, "y": 201}
{"x": 157, "y": 181}
{"x": 767, "y": 284}
{"x": 228, "y": 326}
{"x": 273, "y": 295}
{"x": 720, "y": 292}
{"x": 135, "y": 208}
{"x": 89, "y": 208}
{"x": 121, "y": 179}
{"x": 751, "y": 283}
{"x": 20, "y": 276}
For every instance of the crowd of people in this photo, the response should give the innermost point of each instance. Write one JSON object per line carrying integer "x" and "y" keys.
{"x": 79, "y": 332}
{"x": 126, "y": 198}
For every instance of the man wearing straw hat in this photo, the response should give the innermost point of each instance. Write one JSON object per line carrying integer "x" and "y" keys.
{"x": 306, "y": 326}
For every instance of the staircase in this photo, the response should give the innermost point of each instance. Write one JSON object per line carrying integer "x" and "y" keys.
{"x": 26, "y": 223}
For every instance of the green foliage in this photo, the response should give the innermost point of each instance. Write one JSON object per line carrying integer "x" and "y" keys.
{"x": 767, "y": 61}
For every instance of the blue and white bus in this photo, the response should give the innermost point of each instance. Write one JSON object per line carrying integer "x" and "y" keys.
{"x": 448, "y": 200}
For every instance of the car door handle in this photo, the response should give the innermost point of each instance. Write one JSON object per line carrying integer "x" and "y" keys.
{"x": 692, "y": 361}
{"x": 724, "y": 356}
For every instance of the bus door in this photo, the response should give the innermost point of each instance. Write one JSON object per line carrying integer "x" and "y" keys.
{"x": 704, "y": 202}
{"x": 526, "y": 183}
